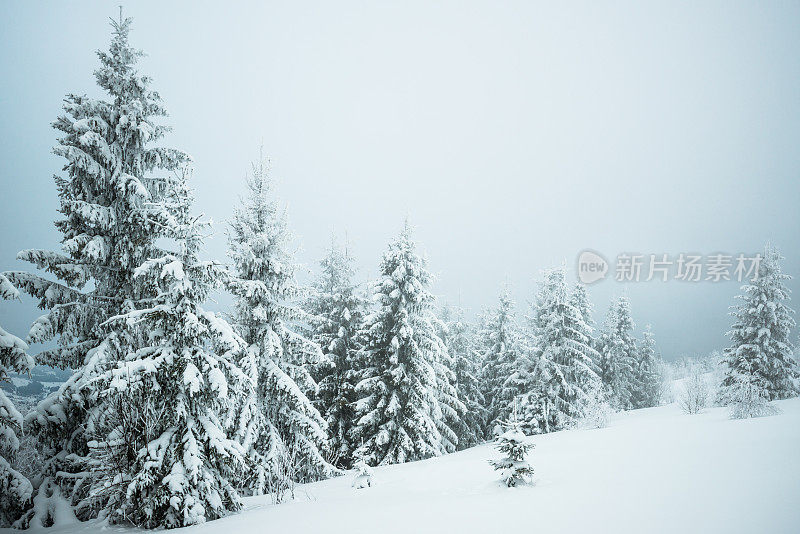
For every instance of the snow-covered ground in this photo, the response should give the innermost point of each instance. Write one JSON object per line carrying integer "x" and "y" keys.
{"x": 653, "y": 470}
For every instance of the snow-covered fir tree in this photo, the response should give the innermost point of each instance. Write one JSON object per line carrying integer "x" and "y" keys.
{"x": 283, "y": 433}
{"x": 175, "y": 388}
{"x": 500, "y": 349}
{"x": 761, "y": 347}
{"x": 400, "y": 410}
{"x": 648, "y": 380}
{"x": 532, "y": 387}
{"x": 112, "y": 215}
{"x": 564, "y": 380}
{"x": 514, "y": 467}
{"x": 579, "y": 300}
{"x": 338, "y": 314}
{"x": 460, "y": 345}
{"x": 618, "y": 354}
{"x": 15, "y": 489}
{"x": 599, "y": 411}
{"x": 746, "y": 397}
{"x": 452, "y": 407}
{"x": 603, "y": 344}
{"x": 364, "y": 475}
{"x": 529, "y": 388}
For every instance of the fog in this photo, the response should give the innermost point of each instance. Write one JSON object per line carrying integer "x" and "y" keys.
{"x": 512, "y": 134}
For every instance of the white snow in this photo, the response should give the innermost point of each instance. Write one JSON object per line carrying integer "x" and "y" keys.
{"x": 173, "y": 269}
{"x": 652, "y": 470}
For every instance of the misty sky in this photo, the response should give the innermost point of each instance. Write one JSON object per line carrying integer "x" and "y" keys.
{"x": 513, "y": 134}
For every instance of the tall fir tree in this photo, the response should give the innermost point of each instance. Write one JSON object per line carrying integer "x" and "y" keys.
{"x": 648, "y": 373}
{"x": 557, "y": 375}
{"x": 761, "y": 348}
{"x": 338, "y": 315}
{"x": 452, "y": 407}
{"x": 566, "y": 338}
{"x": 283, "y": 433}
{"x": 15, "y": 488}
{"x": 579, "y": 300}
{"x": 618, "y": 354}
{"x": 500, "y": 352}
{"x": 603, "y": 344}
{"x": 460, "y": 345}
{"x": 400, "y": 405}
{"x": 111, "y": 202}
{"x": 169, "y": 461}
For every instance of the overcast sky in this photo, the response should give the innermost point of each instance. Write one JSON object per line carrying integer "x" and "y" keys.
{"x": 513, "y": 134}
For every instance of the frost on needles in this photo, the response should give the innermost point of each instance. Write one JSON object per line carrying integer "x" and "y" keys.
{"x": 337, "y": 310}
{"x": 15, "y": 488}
{"x": 403, "y": 395}
{"x": 759, "y": 363}
{"x": 514, "y": 467}
{"x": 113, "y": 207}
{"x": 174, "y": 395}
{"x": 284, "y": 435}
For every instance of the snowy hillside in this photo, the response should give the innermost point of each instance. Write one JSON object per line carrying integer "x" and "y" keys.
{"x": 652, "y": 470}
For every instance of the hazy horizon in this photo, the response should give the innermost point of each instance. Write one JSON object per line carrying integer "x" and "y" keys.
{"x": 513, "y": 135}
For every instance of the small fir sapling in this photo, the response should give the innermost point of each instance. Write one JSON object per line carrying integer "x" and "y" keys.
{"x": 513, "y": 467}
{"x": 364, "y": 475}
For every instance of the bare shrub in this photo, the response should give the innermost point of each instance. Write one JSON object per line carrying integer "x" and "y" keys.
{"x": 695, "y": 393}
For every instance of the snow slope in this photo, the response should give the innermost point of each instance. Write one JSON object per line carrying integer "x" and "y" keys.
{"x": 653, "y": 470}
